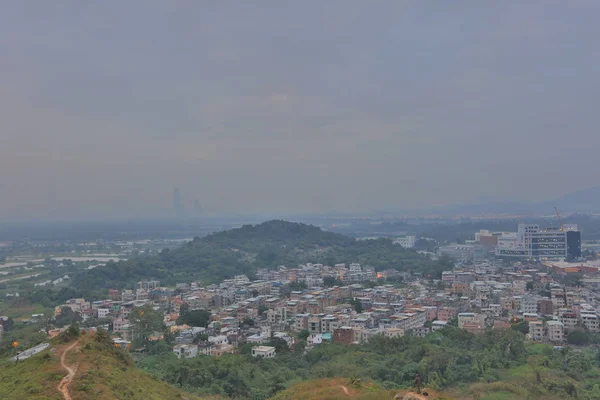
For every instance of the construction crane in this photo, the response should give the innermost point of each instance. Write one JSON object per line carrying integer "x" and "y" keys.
{"x": 560, "y": 225}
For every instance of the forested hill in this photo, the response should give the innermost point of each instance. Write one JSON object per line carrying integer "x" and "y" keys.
{"x": 241, "y": 251}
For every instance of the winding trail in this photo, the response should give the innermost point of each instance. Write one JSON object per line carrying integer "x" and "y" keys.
{"x": 63, "y": 386}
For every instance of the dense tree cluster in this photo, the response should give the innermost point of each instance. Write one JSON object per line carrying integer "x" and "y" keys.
{"x": 443, "y": 359}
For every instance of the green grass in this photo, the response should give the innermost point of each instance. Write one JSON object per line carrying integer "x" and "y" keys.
{"x": 35, "y": 378}
{"x": 103, "y": 373}
{"x": 22, "y": 311}
{"x": 535, "y": 348}
{"x": 502, "y": 395}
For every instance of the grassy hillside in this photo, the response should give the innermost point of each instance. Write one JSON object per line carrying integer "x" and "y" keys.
{"x": 243, "y": 250}
{"x": 340, "y": 388}
{"x": 101, "y": 372}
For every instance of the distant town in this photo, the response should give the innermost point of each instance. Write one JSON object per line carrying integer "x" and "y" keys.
{"x": 500, "y": 279}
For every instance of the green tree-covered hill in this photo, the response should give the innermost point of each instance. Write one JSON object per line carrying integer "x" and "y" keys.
{"x": 242, "y": 251}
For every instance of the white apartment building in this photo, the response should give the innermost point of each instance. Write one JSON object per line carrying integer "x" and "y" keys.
{"x": 590, "y": 321}
{"x": 103, "y": 312}
{"x": 531, "y": 241}
{"x": 185, "y": 350}
{"x": 529, "y": 304}
{"x": 569, "y": 320}
{"x": 263, "y": 351}
{"x": 329, "y": 323}
{"x": 536, "y": 330}
{"x": 409, "y": 320}
{"x": 555, "y": 331}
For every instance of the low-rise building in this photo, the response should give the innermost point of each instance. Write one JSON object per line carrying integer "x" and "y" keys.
{"x": 393, "y": 332}
{"x": 343, "y": 335}
{"x": 470, "y": 320}
{"x": 263, "y": 351}
{"x": 185, "y": 350}
{"x": 446, "y": 314}
{"x": 437, "y": 325}
{"x": 420, "y": 332}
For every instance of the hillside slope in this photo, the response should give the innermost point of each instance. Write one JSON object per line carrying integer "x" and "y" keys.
{"x": 91, "y": 370}
{"x": 340, "y": 389}
{"x": 241, "y": 251}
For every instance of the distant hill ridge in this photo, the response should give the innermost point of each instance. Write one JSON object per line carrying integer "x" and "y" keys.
{"x": 243, "y": 250}
{"x": 275, "y": 232}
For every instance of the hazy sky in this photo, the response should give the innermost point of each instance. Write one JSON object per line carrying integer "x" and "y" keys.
{"x": 281, "y": 106}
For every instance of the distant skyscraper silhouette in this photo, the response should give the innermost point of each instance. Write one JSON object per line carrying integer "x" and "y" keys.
{"x": 177, "y": 202}
{"x": 197, "y": 206}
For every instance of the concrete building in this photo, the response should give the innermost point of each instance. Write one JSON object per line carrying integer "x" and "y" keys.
{"x": 590, "y": 321}
{"x": 555, "y": 330}
{"x": 257, "y": 339}
{"x": 446, "y": 314}
{"x": 545, "y": 306}
{"x": 536, "y": 330}
{"x": 569, "y": 320}
{"x": 263, "y": 351}
{"x": 393, "y": 332}
{"x": 531, "y": 241}
{"x": 470, "y": 320}
{"x": 437, "y": 325}
{"x": 420, "y": 332}
{"x": 185, "y": 350}
{"x": 529, "y": 304}
{"x": 103, "y": 312}
{"x": 343, "y": 335}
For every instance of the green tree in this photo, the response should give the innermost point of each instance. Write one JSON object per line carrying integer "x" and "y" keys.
{"x": 103, "y": 337}
{"x": 184, "y": 308}
{"x": 145, "y": 322}
{"x": 200, "y": 337}
{"x": 303, "y": 334}
{"x": 262, "y": 309}
{"x": 168, "y": 336}
{"x": 358, "y": 307}
{"x": 66, "y": 317}
{"x": 330, "y": 281}
{"x": 199, "y": 318}
{"x": 522, "y": 327}
{"x": 578, "y": 337}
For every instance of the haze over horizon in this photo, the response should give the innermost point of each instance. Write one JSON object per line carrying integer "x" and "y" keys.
{"x": 344, "y": 105}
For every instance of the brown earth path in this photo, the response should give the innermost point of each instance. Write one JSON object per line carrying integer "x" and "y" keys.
{"x": 63, "y": 386}
{"x": 345, "y": 389}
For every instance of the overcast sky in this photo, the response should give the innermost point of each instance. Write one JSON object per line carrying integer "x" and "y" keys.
{"x": 294, "y": 106}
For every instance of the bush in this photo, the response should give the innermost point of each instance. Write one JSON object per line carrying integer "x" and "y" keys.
{"x": 71, "y": 333}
